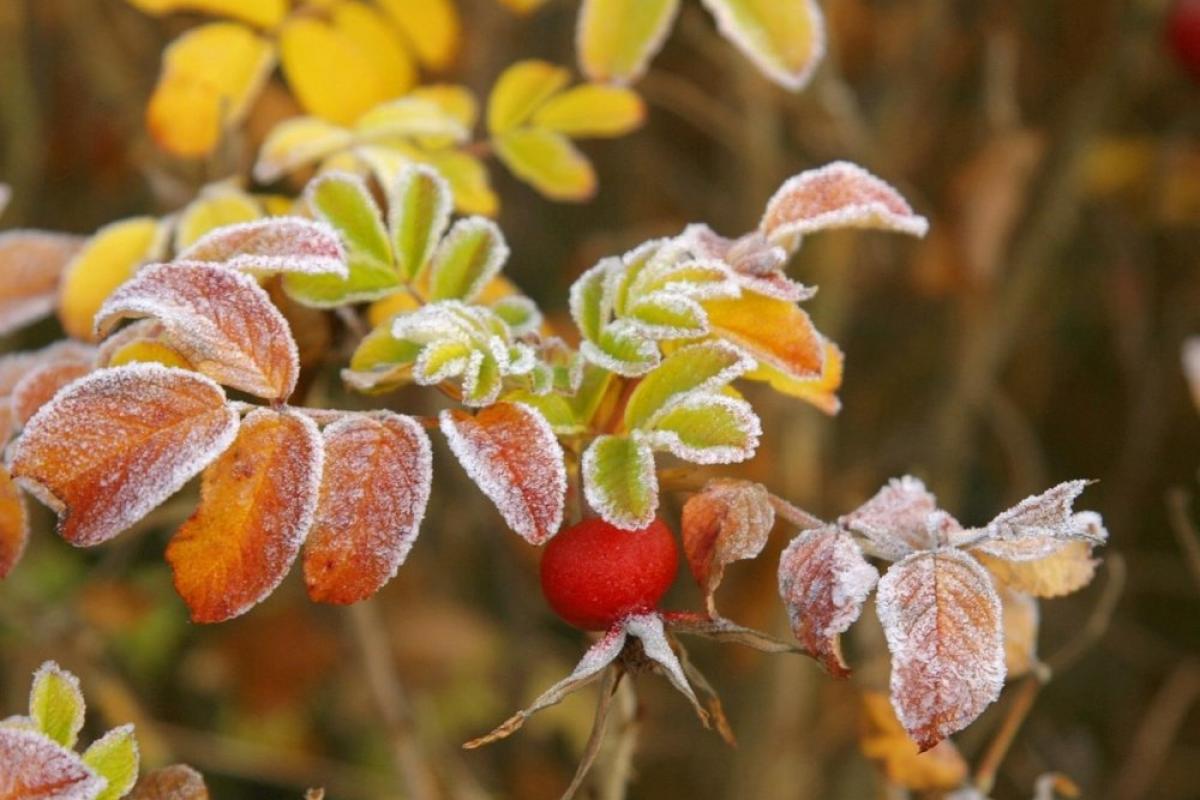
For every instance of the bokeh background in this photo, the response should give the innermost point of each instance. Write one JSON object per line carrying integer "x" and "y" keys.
{"x": 1033, "y": 337}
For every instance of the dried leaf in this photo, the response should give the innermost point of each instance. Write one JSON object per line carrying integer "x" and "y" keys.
{"x": 36, "y": 767}
{"x": 374, "y": 490}
{"x": 219, "y": 319}
{"x": 512, "y": 454}
{"x": 883, "y": 740}
{"x": 784, "y": 38}
{"x": 14, "y": 523}
{"x": 727, "y": 521}
{"x": 616, "y": 39}
{"x": 824, "y": 581}
{"x": 619, "y": 481}
{"x": 115, "y": 444}
{"x": 1068, "y": 568}
{"x": 176, "y": 782}
{"x": 258, "y": 501}
{"x": 942, "y": 619}
{"x": 1034, "y": 527}
{"x": 725, "y": 631}
{"x": 656, "y": 647}
{"x": 276, "y": 244}
{"x": 31, "y": 263}
{"x": 902, "y": 518}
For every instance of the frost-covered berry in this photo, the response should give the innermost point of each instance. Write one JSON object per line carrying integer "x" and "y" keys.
{"x": 594, "y": 574}
{"x": 1183, "y": 34}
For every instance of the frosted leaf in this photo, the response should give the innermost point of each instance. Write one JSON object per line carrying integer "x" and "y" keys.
{"x": 1027, "y": 530}
{"x": 296, "y": 142}
{"x": 756, "y": 264}
{"x": 727, "y": 521}
{"x": 839, "y": 195}
{"x": 602, "y": 653}
{"x": 1191, "y": 367}
{"x": 784, "y": 40}
{"x": 272, "y": 245}
{"x": 824, "y": 581}
{"x": 146, "y": 330}
{"x": 698, "y": 369}
{"x": 520, "y": 314}
{"x": 374, "y": 491}
{"x": 220, "y": 320}
{"x": 622, "y": 349}
{"x": 470, "y": 255}
{"x": 510, "y": 451}
{"x": 419, "y": 206}
{"x": 619, "y": 481}
{"x": 942, "y": 619}
{"x": 668, "y": 315}
{"x": 1021, "y": 617}
{"x": 31, "y": 264}
{"x": 1065, "y": 569}
{"x": 113, "y": 445}
{"x": 649, "y": 629}
{"x": 40, "y": 385}
{"x": 176, "y": 782}
{"x": 14, "y": 523}
{"x": 56, "y": 704}
{"x": 36, "y": 767}
{"x": 257, "y": 505}
{"x": 706, "y": 429}
{"x": 901, "y": 518}
{"x": 590, "y": 300}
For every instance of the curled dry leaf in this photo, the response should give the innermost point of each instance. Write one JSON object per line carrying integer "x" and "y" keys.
{"x": 176, "y": 782}
{"x": 1037, "y": 525}
{"x": 824, "y": 581}
{"x": 14, "y": 523}
{"x": 727, "y": 521}
{"x": 510, "y": 451}
{"x": 884, "y": 741}
{"x": 648, "y": 628}
{"x": 257, "y": 504}
{"x": 34, "y": 766}
{"x": 374, "y": 490}
{"x": 220, "y": 320}
{"x": 113, "y": 445}
{"x": 31, "y": 263}
{"x": 902, "y": 518}
{"x": 942, "y": 619}
{"x": 276, "y": 244}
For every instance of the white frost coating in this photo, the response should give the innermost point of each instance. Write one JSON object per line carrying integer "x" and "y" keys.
{"x": 690, "y": 319}
{"x": 729, "y": 27}
{"x": 120, "y": 732}
{"x": 610, "y": 508}
{"x": 839, "y": 195}
{"x": 443, "y": 203}
{"x": 31, "y": 262}
{"x": 463, "y": 230}
{"x": 273, "y": 245}
{"x": 521, "y": 314}
{"x": 290, "y": 145}
{"x": 900, "y": 519}
{"x": 1044, "y": 518}
{"x": 36, "y": 767}
{"x": 588, "y": 299}
{"x": 943, "y": 622}
{"x": 739, "y": 363}
{"x": 95, "y": 414}
{"x": 649, "y": 628}
{"x": 753, "y": 262}
{"x": 650, "y": 47}
{"x": 602, "y": 653}
{"x": 647, "y": 353}
{"x": 660, "y": 434}
{"x": 519, "y": 465}
{"x": 51, "y": 671}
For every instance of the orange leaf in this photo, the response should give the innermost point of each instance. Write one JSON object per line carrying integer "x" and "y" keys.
{"x": 31, "y": 263}
{"x": 40, "y": 385}
{"x": 176, "y": 782}
{"x": 14, "y": 523}
{"x": 942, "y": 619}
{"x": 883, "y": 740}
{"x": 219, "y": 319}
{"x": 1068, "y": 568}
{"x": 36, "y": 767}
{"x": 775, "y": 332}
{"x": 510, "y": 451}
{"x": 257, "y": 505}
{"x": 728, "y": 521}
{"x": 113, "y": 445}
{"x": 373, "y": 496}
{"x": 1021, "y": 622}
{"x": 824, "y": 580}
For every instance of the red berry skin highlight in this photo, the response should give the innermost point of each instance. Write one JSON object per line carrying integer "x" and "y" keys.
{"x": 595, "y": 574}
{"x": 1183, "y": 34}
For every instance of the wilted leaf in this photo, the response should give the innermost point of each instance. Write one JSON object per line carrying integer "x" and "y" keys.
{"x": 548, "y": 162}
{"x": 176, "y": 782}
{"x": 592, "y": 110}
{"x": 374, "y": 490}
{"x": 619, "y": 481}
{"x": 296, "y": 142}
{"x": 696, "y": 369}
{"x": 616, "y": 39}
{"x": 31, "y": 263}
{"x": 118, "y": 442}
{"x": 1068, "y": 568}
{"x": 418, "y": 212}
{"x": 56, "y": 704}
{"x": 784, "y": 38}
{"x": 115, "y": 758}
{"x": 824, "y": 581}
{"x": 727, "y": 521}
{"x": 519, "y": 91}
{"x": 883, "y": 740}
{"x": 656, "y": 647}
{"x": 14, "y": 523}
{"x": 1021, "y": 618}
{"x": 942, "y": 619}
{"x": 471, "y": 255}
{"x": 36, "y": 767}
{"x": 276, "y": 244}
{"x": 260, "y": 13}
{"x": 257, "y": 505}
{"x": 512, "y": 454}
{"x": 219, "y": 319}
{"x": 431, "y": 27}
{"x": 775, "y": 333}
{"x": 724, "y": 631}
{"x": 902, "y": 517}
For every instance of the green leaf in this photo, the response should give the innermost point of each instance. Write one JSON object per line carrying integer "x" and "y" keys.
{"x": 700, "y": 367}
{"x": 56, "y": 704}
{"x": 623, "y": 349}
{"x": 419, "y": 207}
{"x": 707, "y": 429}
{"x": 619, "y": 481}
{"x": 519, "y": 313}
{"x": 114, "y": 757}
{"x": 382, "y": 361}
{"x": 470, "y": 256}
{"x": 617, "y": 38}
{"x": 588, "y": 307}
{"x": 667, "y": 315}
{"x": 483, "y": 379}
{"x": 344, "y": 201}
{"x": 554, "y": 407}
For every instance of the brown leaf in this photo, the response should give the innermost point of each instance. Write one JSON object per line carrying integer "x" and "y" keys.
{"x": 884, "y": 741}
{"x": 942, "y": 619}
{"x": 36, "y": 767}
{"x": 113, "y": 445}
{"x": 824, "y": 580}
{"x": 727, "y": 521}
{"x": 257, "y": 504}
{"x": 1034, "y": 527}
{"x": 903, "y": 517}
{"x": 176, "y": 782}
{"x": 31, "y": 263}
{"x": 219, "y": 319}
{"x": 14, "y": 523}
{"x": 375, "y": 487}
{"x": 1067, "y": 569}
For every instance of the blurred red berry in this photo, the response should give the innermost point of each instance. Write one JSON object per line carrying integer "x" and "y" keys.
{"x": 1183, "y": 34}
{"x": 594, "y": 574}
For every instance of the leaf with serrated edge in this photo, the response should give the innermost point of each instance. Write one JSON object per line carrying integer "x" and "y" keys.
{"x": 784, "y": 38}
{"x": 520, "y": 90}
{"x": 374, "y": 491}
{"x": 824, "y": 581}
{"x": 902, "y": 518}
{"x": 419, "y": 204}
{"x": 115, "y": 757}
{"x": 695, "y": 369}
{"x": 727, "y": 521}
{"x": 14, "y": 523}
{"x": 36, "y": 767}
{"x": 219, "y": 319}
{"x": 619, "y": 481}
{"x": 471, "y": 255}
{"x": 56, "y": 704}
{"x": 257, "y": 504}
{"x": 276, "y": 244}
{"x": 942, "y": 619}
{"x": 176, "y": 782}
{"x": 706, "y": 429}
{"x": 113, "y": 445}
{"x": 513, "y": 456}
{"x": 616, "y": 39}
{"x": 31, "y": 263}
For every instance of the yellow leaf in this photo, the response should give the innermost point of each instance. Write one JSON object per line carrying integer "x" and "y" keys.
{"x": 784, "y": 38}
{"x": 147, "y": 350}
{"x": 297, "y": 142}
{"x": 468, "y": 179}
{"x": 329, "y": 72}
{"x": 520, "y": 90}
{"x": 108, "y": 259}
{"x": 523, "y": 6}
{"x": 775, "y": 332}
{"x": 378, "y": 40}
{"x": 216, "y": 206}
{"x": 592, "y": 110}
{"x": 431, "y": 27}
{"x": 381, "y": 311}
{"x": 820, "y": 392}
{"x": 259, "y": 13}
{"x": 549, "y": 162}
{"x": 457, "y": 101}
{"x": 210, "y": 75}
{"x": 884, "y": 741}
{"x": 617, "y": 38}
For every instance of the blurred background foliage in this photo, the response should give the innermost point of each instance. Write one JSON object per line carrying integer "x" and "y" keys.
{"x": 1033, "y": 337}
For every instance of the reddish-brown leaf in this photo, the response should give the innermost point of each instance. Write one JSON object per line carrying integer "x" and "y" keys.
{"x": 942, "y": 619}
{"x": 176, "y": 782}
{"x": 374, "y": 491}
{"x": 510, "y": 451}
{"x": 902, "y": 518}
{"x": 15, "y": 368}
{"x": 824, "y": 580}
{"x": 40, "y": 384}
{"x": 116, "y": 443}
{"x": 275, "y": 244}
{"x": 257, "y": 504}
{"x": 727, "y": 521}
{"x": 14, "y": 523}
{"x": 32, "y": 767}
{"x": 31, "y": 263}
{"x": 219, "y": 319}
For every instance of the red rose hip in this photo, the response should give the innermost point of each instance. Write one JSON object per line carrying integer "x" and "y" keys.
{"x": 1183, "y": 34}
{"x": 594, "y": 574}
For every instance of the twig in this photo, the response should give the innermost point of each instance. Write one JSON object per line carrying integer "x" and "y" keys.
{"x": 1097, "y": 624}
{"x": 1018, "y": 710}
{"x": 612, "y": 682}
{"x": 620, "y": 769}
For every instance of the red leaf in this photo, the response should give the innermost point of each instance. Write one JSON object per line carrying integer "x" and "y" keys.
{"x": 727, "y": 521}
{"x": 510, "y": 451}
{"x": 276, "y": 244}
{"x": 31, "y": 263}
{"x": 257, "y": 504}
{"x": 35, "y": 768}
{"x": 374, "y": 491}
